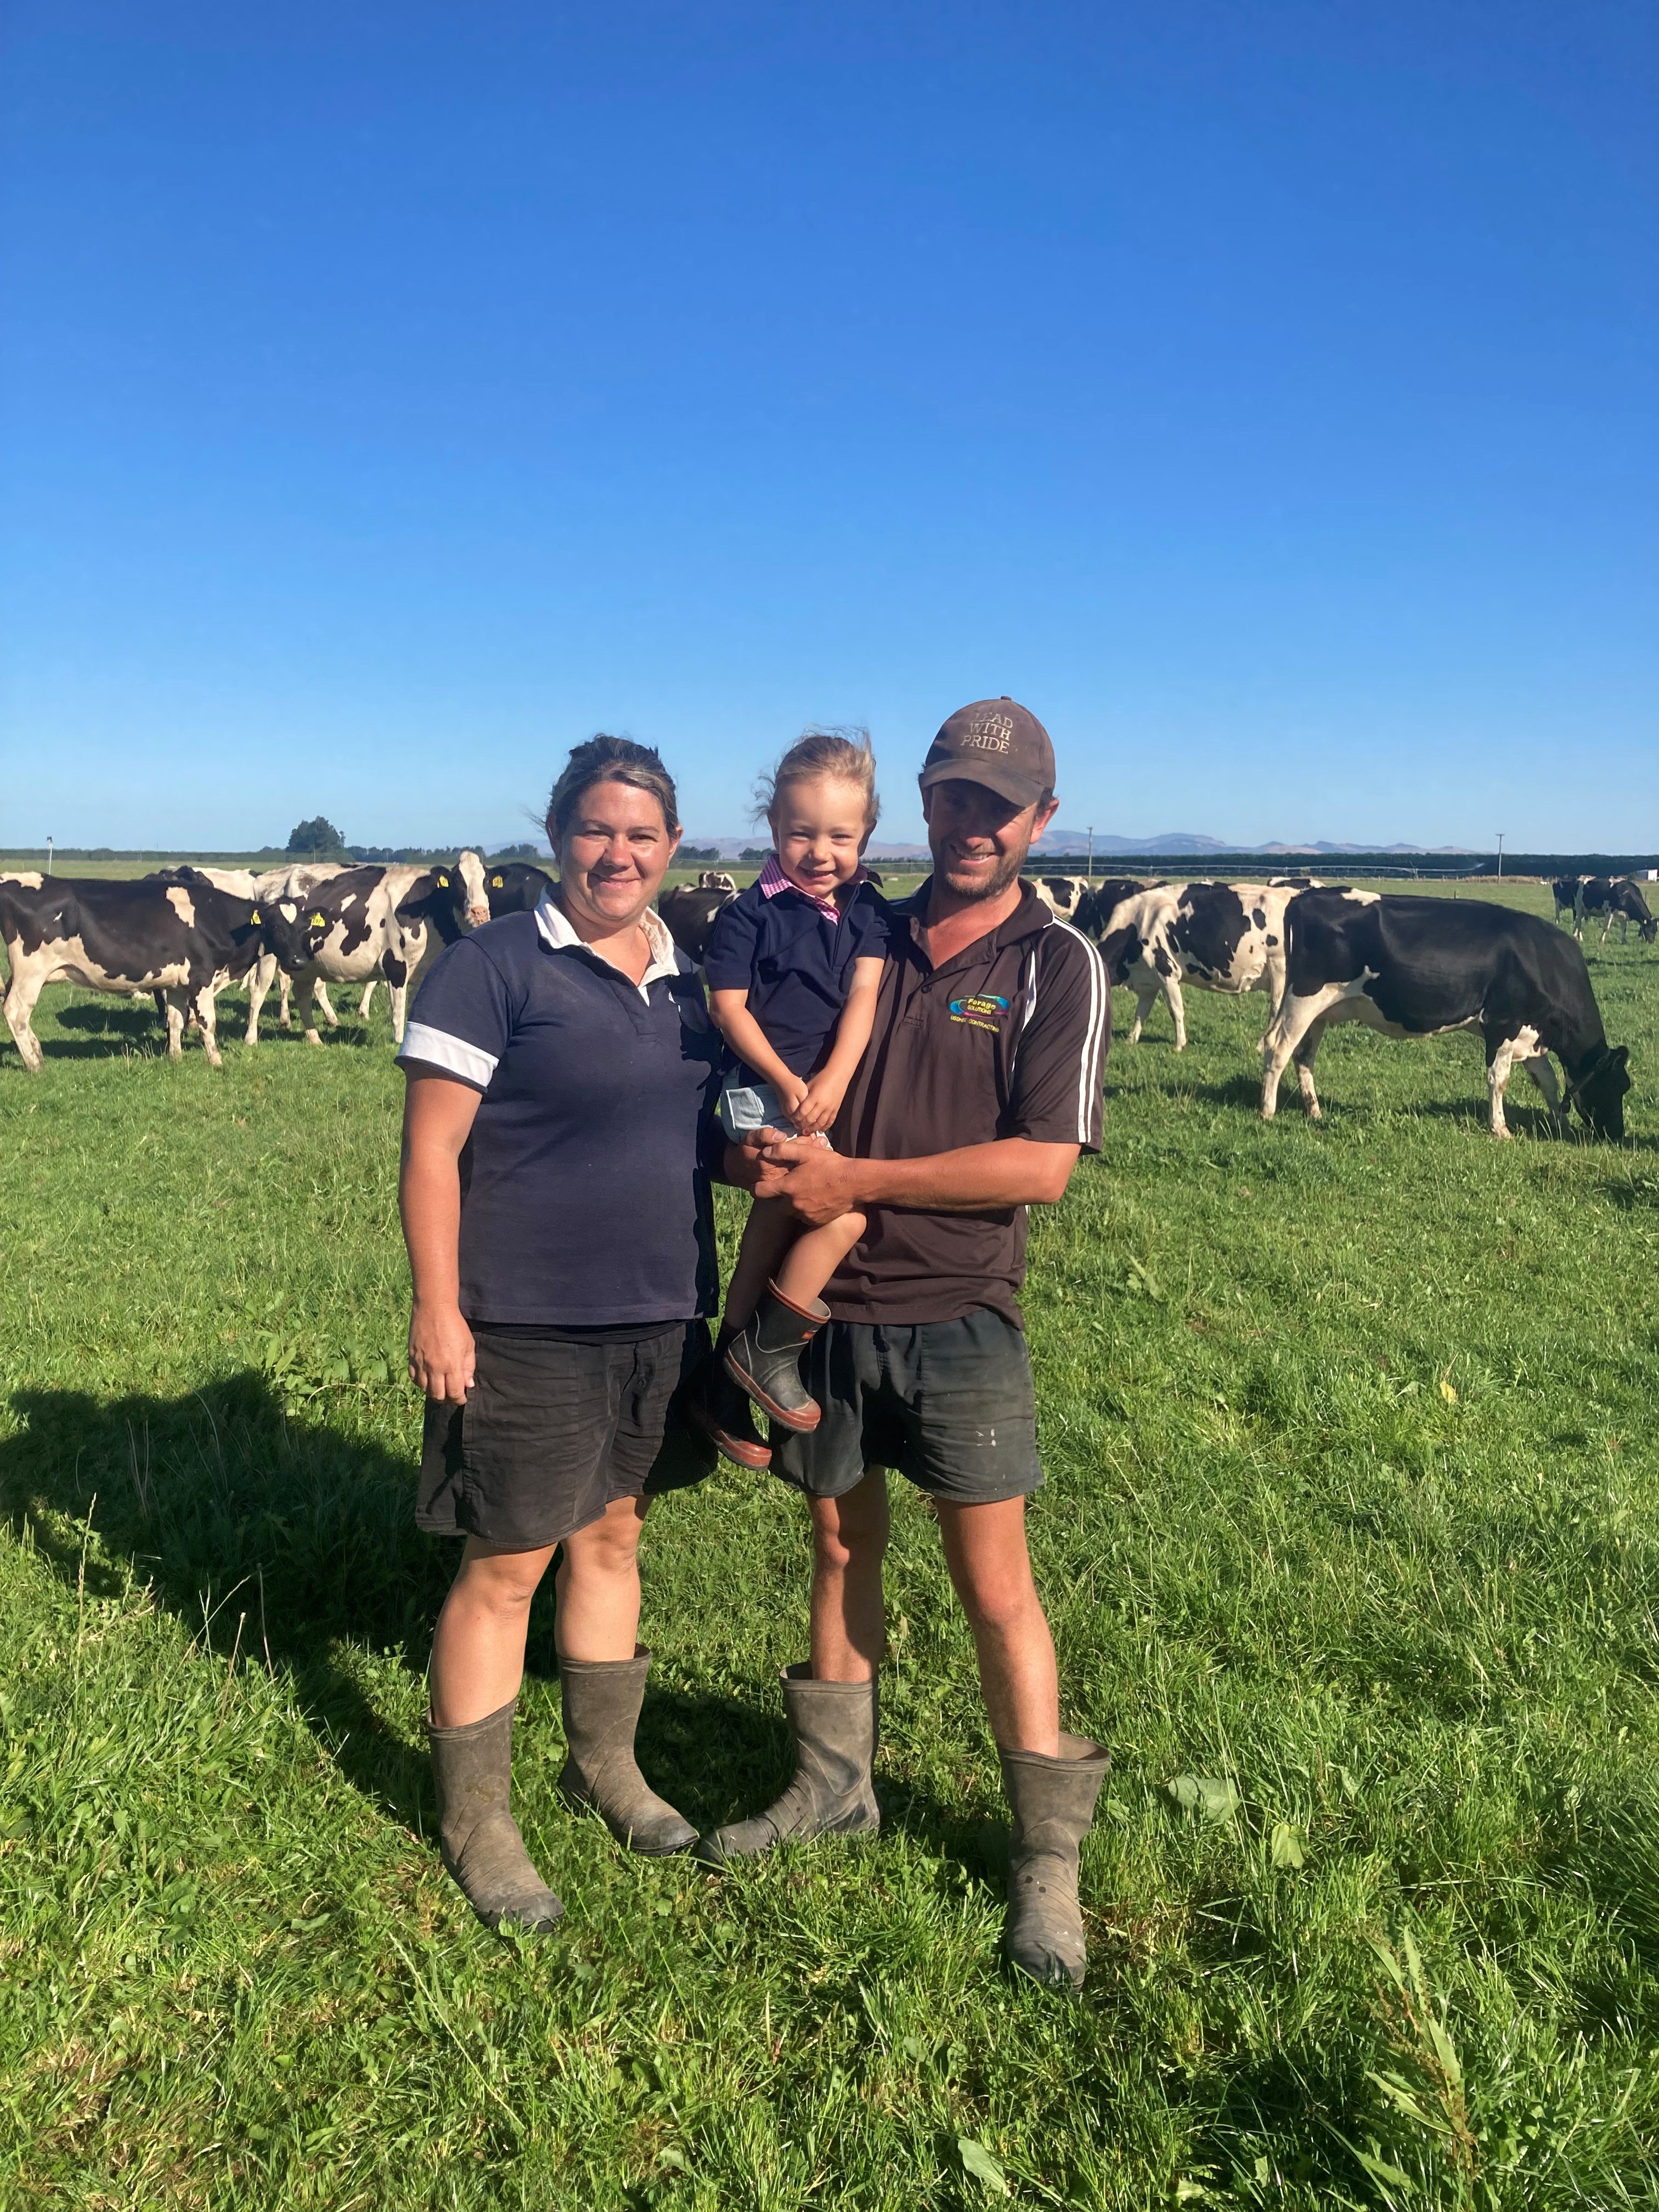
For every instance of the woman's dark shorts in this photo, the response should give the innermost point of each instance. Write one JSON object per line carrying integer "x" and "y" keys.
{"x": 553, "y": 1432}
{"x": 949, "y": 1403}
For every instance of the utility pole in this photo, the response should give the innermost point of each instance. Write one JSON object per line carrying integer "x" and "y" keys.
{"x": 1092, "y": 854}
{"x": 1500, "y": 856}
{"x": 48, "y": 856}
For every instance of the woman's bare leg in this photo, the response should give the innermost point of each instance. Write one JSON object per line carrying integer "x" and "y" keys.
{"x": 478, "y": 1650}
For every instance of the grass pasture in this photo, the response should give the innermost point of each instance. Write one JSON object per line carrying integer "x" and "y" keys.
{"x": 1350, "y": 1534}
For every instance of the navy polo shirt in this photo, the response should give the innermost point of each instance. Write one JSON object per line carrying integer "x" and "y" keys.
{"x": 795, "y": 964}
{"x": 584, "y": 1198}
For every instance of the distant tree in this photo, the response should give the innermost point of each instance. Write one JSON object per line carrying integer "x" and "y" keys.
{"x": 698, "y": 853}
{"x": 755, "y": 855}
{"x": 516, "y": 853}
{"x": 316, "y": 835}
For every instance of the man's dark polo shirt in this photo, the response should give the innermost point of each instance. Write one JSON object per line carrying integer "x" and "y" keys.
{"x": 795, "y": 964}
{"x": 1006, "y": 1040}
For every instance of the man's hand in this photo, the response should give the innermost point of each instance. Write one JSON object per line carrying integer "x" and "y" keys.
{"x": 744, "y": 1167}
{"x": 819, "y": 1102}
{"x": 442, "y": 1356}
{"x": 820, "y": 1185}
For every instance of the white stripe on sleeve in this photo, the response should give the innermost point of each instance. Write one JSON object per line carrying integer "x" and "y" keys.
{"x": 437, "y": 1048}
{"x": 1088, "y": 1085}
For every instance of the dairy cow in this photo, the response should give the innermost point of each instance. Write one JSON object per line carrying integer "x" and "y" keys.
{"x": 1222, "y": 936}
{"x": 185, "y": 938}
{"x": 369, "y": 924}
{"x": 1564, "y": 892}
{"x": 1418, "y": 966}
{"x": 513, "y": 886}
{"x": 689, "y": 910}
{"x": 461, "y": 888}
{"x": 1619, "y": 899}
{"x": 716, "y": 880}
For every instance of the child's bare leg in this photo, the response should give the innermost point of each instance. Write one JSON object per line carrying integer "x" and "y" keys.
{"x": 766, "y": 1238}
{"x": 814, "y": 1257}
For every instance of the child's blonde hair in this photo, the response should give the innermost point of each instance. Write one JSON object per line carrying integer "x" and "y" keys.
{"x": 843, "y": 754}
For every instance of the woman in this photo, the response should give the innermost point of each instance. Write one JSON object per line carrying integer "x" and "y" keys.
{"x": 563, "y": 1073}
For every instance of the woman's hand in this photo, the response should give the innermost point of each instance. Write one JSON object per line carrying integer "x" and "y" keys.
{"x": 819, "y": 1102}
{"x": 441, "y": 1357}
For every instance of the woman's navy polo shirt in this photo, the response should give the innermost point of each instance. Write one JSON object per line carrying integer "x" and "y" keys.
{"x": 585, "y": 1201}
{"x": 795, "y": 964}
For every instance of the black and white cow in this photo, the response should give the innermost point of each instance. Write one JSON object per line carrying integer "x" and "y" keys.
{"x": 185, "y": 938}
{"x": 716, "y": 880}
{"x": 461, "y": 897}
{"x": 369, "y": 924}
{"x": 513, "y": 886}
{"x": 1564, "y": 892}
{"x": 689, "y": 910}
{"x": 1619, "y": 899}
{"x": 1418, "y": 966}
{"x": 1223, "y": 936}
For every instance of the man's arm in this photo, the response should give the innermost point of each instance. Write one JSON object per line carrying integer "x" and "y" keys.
{"x": 976, "y": 1179}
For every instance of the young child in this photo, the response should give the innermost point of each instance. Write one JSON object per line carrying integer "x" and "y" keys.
{"x": 793, "y": 965}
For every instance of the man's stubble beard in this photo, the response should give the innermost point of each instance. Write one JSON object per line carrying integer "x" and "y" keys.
{"x": 991, "y": 887}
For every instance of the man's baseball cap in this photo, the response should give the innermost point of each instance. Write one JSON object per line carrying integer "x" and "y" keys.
{"x": 996, "y": 742}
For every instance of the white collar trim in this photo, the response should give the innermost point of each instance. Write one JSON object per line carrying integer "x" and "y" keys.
{"x": 554, "y": 924}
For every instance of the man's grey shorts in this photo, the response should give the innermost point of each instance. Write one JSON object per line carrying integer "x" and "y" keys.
{"x": 949, "y": 1403}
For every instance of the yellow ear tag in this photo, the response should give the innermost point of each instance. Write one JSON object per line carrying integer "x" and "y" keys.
{"x": 443, "y": 882}
{"x": 317, "y": 922}
{"x": 496, "y": 882}
{"x": 254, "y": 916}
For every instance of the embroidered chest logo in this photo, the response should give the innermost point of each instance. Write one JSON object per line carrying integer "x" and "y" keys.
{"x": 980, "y": 1010}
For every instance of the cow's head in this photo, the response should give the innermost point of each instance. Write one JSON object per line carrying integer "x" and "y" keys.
{"x": 1600, "y": 1093}
{"x": 472, "y": 893}
{"x": 286, "y": 929}
{"x": 1647, "y": 930}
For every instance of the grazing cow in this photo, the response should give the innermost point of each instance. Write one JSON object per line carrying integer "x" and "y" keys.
{"x": 716, "y": 880}
{"x": 1620, "y": 901}
{"x": 370, "y": 923}
{"x": 689, "y": 911}
{"x": 1417, "y": 966}
{"x": 185, "y": 938}
{"x": 1223, "y": 936}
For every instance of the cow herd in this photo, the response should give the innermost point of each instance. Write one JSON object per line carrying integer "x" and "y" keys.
{"x": 1408, "y": 966}
{"x": 184, "y": 934}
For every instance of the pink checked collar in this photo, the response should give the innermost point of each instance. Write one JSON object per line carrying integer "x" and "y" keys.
{"x": 773, "y": 880}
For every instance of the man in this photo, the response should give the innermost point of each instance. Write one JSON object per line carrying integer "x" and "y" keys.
{"x": 980, "y": 1086}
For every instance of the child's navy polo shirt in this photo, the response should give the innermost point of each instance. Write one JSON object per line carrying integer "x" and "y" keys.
{"x": 795, "y": 964}
{"x": 585, "y": 1201}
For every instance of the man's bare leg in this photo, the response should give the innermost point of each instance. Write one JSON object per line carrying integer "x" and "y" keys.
{"x": 830, "y": 1701}
{"x": 985, "y": 1551}
{"x": 848, "y": 1618}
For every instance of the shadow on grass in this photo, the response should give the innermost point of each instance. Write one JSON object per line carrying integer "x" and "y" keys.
{"x": 294, "y": 1543}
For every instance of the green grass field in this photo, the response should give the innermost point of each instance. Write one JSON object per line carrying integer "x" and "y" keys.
{"x": 1351, "y": 1534}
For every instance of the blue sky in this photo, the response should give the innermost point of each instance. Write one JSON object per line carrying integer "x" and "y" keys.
{"x": 1265, "y": 395}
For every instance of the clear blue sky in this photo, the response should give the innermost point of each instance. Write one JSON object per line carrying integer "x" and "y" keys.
{"x": 1268, "y": 395}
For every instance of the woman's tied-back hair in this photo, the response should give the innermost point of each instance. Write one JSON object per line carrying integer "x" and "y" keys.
{"x": 843, "y": 754}
{"x": 604, "y": 759}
